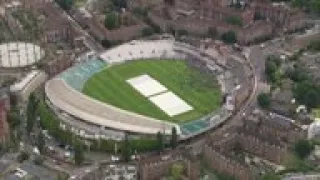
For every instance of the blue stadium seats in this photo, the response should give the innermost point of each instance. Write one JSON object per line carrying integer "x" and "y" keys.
{"x": 195, "y": 126}
{"x": 77, "y": 76}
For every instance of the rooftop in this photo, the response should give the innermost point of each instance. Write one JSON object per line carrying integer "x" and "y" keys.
{"x": 19, "y": 54}
{"x": 18, "y": 86}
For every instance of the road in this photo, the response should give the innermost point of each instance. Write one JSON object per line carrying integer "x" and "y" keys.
{"x": 255, "y": 62}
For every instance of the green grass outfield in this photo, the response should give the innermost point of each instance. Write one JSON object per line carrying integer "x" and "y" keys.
{"x": 199, "y": 90}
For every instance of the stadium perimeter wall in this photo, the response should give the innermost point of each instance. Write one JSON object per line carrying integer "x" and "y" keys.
{"x": 65, "y": 101}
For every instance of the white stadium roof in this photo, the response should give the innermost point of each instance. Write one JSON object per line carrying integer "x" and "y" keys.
{"x": 139, "y": 50}
{"x": 18, "y": 86}
{"x": 19, "y": 54}
{"x": 93, "y": 111}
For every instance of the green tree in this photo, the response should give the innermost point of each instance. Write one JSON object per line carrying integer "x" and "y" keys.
{"x": 312, "y": 6}
{"x": 31, "y": 112}
{"x": 212, "y": 32}
{"x": 176, "y": 171}
{"x": 299, "y": 3}
{"x": 315, "y": 6}
{"x": 258, "y": 16}
{"x": 182, "y": 32}
{"x": 272, "y": 66}
{"x": 120, "y": 3}
{"x": 297, "y": 75}
{"x": 307, "y": 93}
{"x": 14, "y": 118}
{"x": 293, "y": 163}
{"x": 59, "y": 177}
{"x": 78, "y": 154}
{"x": 147, "y": 31}
{"x": 275, "y": 59}
{"x": 237, "y": 148}
{"x": 264, "y": 100}
{"x": 160, "y": 142}
{"x": 22, "y": 156}
{"x": 126, "y": 149}
{"x": 38, "y": 160}
{"x": 303, "y": 148}
{"x": 40, "y": 142}
{"x": 229, "y": 37}
{"x": 140, "y": 12}
{"x": 311, "y": 98}
{"x": 65, "y": 4}
{"x": 270, "y": 176}
{"x": 314, "y": 46}
{"x": 106, "y": 43}
{"x": 111, "y": 20}
{"x": 174, "y": 137}
{"x": 234, "y": 20}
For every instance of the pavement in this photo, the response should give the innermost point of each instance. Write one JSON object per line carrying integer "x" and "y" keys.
{"x": 254, "y": 62}
{"x": 254, "y": 57}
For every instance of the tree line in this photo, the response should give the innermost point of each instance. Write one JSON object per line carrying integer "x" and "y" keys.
{"x": 125, "y": 148}
{"x": 305, "y": 90}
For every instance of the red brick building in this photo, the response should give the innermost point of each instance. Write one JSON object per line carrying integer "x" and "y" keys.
{"x": 284, "y": 18}
{"x": 55, "y": 26}
{"x": 252, "y": 21}
{"x": 221, "y": 14}
{"x": 219, "y": 154}
{"x": 157, "y": 167}
{"x": 223, "y": 164}
{"x": 265, "y": 135}
{"x": 129, "y": 29}
{"x": 273, "y": 128}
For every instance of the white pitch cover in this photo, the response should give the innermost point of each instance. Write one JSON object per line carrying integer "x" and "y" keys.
{"x": 146, "y": 85}
{"x": 171, "y": 104}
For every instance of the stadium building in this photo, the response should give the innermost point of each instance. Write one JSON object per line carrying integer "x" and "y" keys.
{"x": 19, "y": 54}
{"x": 91, "y": 118}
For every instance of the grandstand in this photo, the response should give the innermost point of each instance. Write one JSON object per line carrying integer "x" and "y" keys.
{"x": 194, "y": 126}
{"x": 64, "y": 93}
{"x": 78, "y": 75}
{"x": 140, "y": 50}
{"x": 93, "y": 111}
